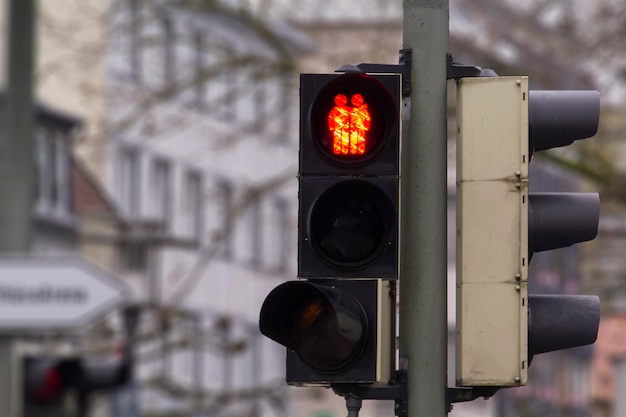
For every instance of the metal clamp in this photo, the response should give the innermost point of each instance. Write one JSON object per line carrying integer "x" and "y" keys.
{"x": 454, "y": 71}
{"x": 458, "y": 395}
{"x": 404, "y": 68}
{"x": 396, "y": 390}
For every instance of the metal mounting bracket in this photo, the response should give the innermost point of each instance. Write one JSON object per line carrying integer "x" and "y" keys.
{"x": 396, "y": 390}
{"x": 455, "y": 71}
{"x": 458, "y": 395}
{"x": 404, "y": 68}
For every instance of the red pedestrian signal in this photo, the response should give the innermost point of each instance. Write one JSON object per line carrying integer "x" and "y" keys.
{"x": 46, "y": 379}
{"x": 349, "y": 119}
{"x": 349, "y": 124}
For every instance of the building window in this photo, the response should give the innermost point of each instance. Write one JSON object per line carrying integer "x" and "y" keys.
{"x": 53, "y": 191}
{"x": 246, "y": 369}
{"x": 199, "y": 69}
{"x": 161, "y": 192}
{"x": 252, "y": 225}
{"x": 128, "y": 182}
{"x": 225, "y": 218}
{"x": 227, "y": 100}
{"x": 285, "y": 103}
{"x": 259, "y": 100}
{"x": 169, "y": 52}
{"x": 135, "y": 44}
{"x": 133, "y": 256}
{"x": 194, "y": 205}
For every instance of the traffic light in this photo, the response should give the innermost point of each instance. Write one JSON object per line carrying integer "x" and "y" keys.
{"x": 335, "y": 331}
{"x": 349, "y": 168}
{"x": 46, "y": 379}
{"x": 338, "y": 323}
{"x": 500, "y": 225}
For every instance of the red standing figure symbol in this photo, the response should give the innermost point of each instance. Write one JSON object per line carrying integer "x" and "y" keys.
{"x": 349, "y": 125}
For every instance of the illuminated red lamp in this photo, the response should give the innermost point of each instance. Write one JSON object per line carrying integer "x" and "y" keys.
{"x": 50, "y": 388}
{"x": 351, "y": 118}
{"x": 349, "y": 124}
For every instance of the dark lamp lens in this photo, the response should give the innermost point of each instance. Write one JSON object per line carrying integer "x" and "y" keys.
{"x": 328, "y": 337}
{"x": 349, "y": 224}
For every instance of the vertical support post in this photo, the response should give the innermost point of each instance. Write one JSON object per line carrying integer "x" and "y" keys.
{"x": 17, "y": 168}
{"x": 11, "y": 382}
{"x": 423, "y": 258}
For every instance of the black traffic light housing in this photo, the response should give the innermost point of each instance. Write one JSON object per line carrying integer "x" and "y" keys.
{"x": 348, "y": 227}
{"x": 335, "y": 331}
{"x": 338, "y": 324}
{"x": 46, "y": 379}
{"x": 349, "y": 168}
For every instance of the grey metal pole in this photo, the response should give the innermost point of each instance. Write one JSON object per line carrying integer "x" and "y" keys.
{"x": 17, "y": 174}
{"x": 423, "y": 262}
{"x": 10, "y": 383}
{"x": 17, "y": 170}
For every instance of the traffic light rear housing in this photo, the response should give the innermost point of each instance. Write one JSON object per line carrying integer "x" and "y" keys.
{"x": 500, "y": 225}
{"x": 334, "y": 330}
{"x": 492, "y": 246}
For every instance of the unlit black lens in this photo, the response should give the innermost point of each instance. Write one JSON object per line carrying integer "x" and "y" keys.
{"x": 349, "y": 223}
{"x": 328, "y": 337}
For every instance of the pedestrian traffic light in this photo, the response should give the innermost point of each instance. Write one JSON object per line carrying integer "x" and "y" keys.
{"x": 500, "y": 225}
{"x": 46, "y": 379}
{"x": 339, "y": 324}
{"x": 349, "y": 167}
{"x": 335, "y": 331}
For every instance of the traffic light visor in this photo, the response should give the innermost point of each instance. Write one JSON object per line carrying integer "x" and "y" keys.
{"x": 558, "y": 220}
{"x": 561, "y": 321}
{"x": 558, "y": 118}
{"x": 326, "y": 326}
{"x": 351, "y": 118}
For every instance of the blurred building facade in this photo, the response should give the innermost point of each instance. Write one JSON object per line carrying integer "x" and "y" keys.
{"x": 189, "y": 114}
{"x": 201, "y": 142}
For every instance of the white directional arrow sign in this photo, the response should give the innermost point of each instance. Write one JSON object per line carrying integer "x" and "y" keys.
{"x": 54, "y": 292}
